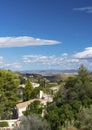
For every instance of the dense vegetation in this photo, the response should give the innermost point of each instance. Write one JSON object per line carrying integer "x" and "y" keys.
{"x": 27, "y": 91}
{"x": 70, "y": 103}
{"x": 71, "y": 108}
{"x": 33, "y": 123}
{"x": 35, "y": 108}
{"x": 8, "y": 93}
{"x": 4, "y": 124}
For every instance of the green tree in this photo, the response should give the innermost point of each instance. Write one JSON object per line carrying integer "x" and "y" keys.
{"x": 52, "y": 116}
{"x": 59, "y": 116}
{"x": 82, "y": 71}
{"x": 8, "y": 92}
{"x": 35, "y": 108}
{"x": 70, "y": 100}
{"x": 33, "y": 123}
{"x": 78, "y": 89}
{"x": 27, "y": 91}
{"x": 85, "y": 119}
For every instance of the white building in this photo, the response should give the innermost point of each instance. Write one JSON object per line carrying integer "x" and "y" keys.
{"x": 21, "y": 107}
{"x": 21, "y": 86}
{"x": 11, "y": 124}
{"x": 55, "y": 89}
{"x": 35, "y": 85}
{"x": 46, "y": 97}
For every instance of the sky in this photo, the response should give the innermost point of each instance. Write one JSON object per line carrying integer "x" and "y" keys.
{"x": 45, "y": 34}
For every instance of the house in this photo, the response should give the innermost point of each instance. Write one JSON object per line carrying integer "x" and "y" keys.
{"x": 54, "y": 89}
{"x": 46, "y": 97}
{"x": 21, "y": 86}
{"x": 22, "y": 106}
{"x": 35, "y": 85}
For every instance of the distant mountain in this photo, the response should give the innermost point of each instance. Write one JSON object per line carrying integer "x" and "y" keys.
{"x": 49, "y": 72}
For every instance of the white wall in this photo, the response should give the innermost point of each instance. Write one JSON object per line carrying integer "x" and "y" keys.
{"x": 20, "y": 111}
{"x": 10, "y": 122}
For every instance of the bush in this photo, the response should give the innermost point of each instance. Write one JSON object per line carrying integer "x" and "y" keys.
{"x": 4, "y": 124}
{"x": 33, "y": 123}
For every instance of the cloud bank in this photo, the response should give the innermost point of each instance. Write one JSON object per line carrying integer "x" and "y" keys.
{"x": 85, "y": 9}
{"x": 58, "y": 62}
{"x": 23, "y": 41}
{"x": 86, "y": 54}
{"x": 8, "y": 65}
{"x": 63, "y": 61}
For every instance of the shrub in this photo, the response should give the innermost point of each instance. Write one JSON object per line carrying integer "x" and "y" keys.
{"x": 4, "y": 124}
{"x": 33, "y": 123}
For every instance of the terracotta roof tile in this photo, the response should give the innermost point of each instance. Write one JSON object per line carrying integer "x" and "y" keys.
{"x": 25, "y": 104}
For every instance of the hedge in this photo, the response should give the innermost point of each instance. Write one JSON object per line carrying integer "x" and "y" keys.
{"x": 4, "y": 124}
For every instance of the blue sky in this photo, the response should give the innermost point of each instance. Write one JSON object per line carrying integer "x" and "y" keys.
{"x": 45, "y": 34}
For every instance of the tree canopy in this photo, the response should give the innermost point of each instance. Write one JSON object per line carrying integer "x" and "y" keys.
{"x": 35, "y": 108}
{"x": 27, "y": 91}
{"x": 8, "y": 92}
{"x": 70, "y": 101}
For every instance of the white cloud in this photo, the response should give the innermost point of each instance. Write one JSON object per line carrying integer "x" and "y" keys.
{"x": 1, "y": 59}
{"x": 84, "y": 57}
{"x": 53, "y": 60}
{"x": 64, "y": 54}
{"x": 72, "y": 60}
{"x": 12, "y": 65}
{"x": 7, "y": 65}
{"x": 64, "y": 61}
{"x": 41, "y": 59}
{"x": 86, "y": 54}
{"x": 86, "y": 9}
{"x": 24, "y": 41}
